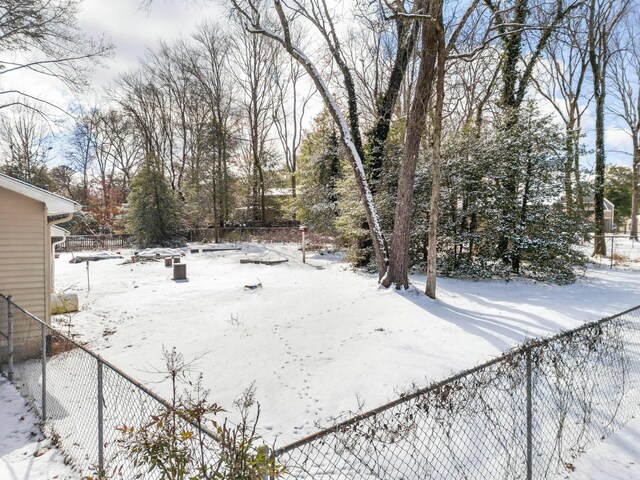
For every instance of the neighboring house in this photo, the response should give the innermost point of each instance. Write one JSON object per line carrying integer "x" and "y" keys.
{"x": 609, "y": 210}
{"x": 27, "y": 216}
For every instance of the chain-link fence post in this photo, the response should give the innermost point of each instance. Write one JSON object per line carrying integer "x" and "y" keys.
{"x": 529, "y": 418}
{"x": 44, "y": 372}
{"x": 10, "y": 338}
{"x": 612, "y": 237}
{"x": 100, "y": 422}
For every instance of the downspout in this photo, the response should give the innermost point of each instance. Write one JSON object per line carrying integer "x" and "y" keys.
{"x": 53, "y": 220}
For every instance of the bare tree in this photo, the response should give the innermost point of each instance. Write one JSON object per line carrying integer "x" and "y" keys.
{"x": 24, "y": 145}
{"x": 291, "y": 99}
{"x": 279, "y": 31}
{"x": 210, "y": 67}
{"x": 43, "y": 36}
{"x": 256, "y": 62}
{"x": 81, "y": 147}
{"x": 398, "y": 273}
{"x": 125, "y": 147}
{"x": 604, "y": 17}
{"x": 436, "y": 161}
{"x": 561, "y": 81}
{"x": 433, "y": 56}
{"x": 625, "y": 77}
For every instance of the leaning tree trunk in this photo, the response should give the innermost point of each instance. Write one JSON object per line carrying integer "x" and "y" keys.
{"x": 407, "y": 35}
{"x": 354, "y": 157}
{"x": 398, "y": 273}
{"x": 436, "y": 165}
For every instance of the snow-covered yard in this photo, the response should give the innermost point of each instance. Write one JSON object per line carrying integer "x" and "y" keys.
{"x": 615, "y": 458}
{"x": 24, "y": 453}
{"x": 318, "y": 339}
{"x": 626, "y": 253}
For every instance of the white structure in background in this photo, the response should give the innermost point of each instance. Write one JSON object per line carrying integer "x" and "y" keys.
{"x": 609, "y": 211}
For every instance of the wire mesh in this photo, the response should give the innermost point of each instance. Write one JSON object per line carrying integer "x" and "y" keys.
{"x": 27, "y": 359}
{"x": 621, "y": 250}
{"x": 553, "y": 398}
{"x": 525, "y": 415}
{"x": 86, "y": 400}
{"x": 4, "y": 336}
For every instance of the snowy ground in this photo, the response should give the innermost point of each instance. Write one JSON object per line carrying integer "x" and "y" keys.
{"x": 317, "y": 339}
{"x": 626, "y": 253}
{"x": 24, "y": 453}
{"x": 615, "y": 458}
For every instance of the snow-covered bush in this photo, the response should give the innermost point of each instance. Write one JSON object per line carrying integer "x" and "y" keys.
{"x": 501, "y": 210}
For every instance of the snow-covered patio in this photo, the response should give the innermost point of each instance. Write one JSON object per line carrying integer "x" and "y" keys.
{"x": 318, "y": 339}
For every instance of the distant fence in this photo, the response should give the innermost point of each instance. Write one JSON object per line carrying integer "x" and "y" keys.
{"x": 74, "y": 243}
{"x": 287, "y": 234}
{"x": 620, "y": 250}
{"x": 525, "y": 415}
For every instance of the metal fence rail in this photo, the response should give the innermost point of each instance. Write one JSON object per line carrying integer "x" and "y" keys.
{"x": 524, "y": 415}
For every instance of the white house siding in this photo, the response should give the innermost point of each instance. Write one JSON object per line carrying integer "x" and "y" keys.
{"x": 24, "y": 265}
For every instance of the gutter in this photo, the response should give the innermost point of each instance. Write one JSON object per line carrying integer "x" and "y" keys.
{"x": 53, "y": 220}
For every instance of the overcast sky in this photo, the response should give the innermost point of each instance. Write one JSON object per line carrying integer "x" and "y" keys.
{"x": 132, "y": 30}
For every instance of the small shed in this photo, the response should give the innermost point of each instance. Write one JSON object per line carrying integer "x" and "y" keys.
{"x": 27, "y": 215}
{"x": 608, "y": 209}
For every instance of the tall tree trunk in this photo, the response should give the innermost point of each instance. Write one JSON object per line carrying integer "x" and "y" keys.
{"x": 436, "y": 163}
{"x": 407, "y": 33}
{"x": 599, "y": 243}
{"x": 516, "y": 255}
{"x": 568, "y": 169}
{"x": 398, "y": 273}
{"x": 633, "y": 234}
{"x": 576, "y": 169}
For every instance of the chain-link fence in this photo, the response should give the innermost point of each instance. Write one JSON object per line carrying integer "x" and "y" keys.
{"x": 525, "y": 415}
{"x": 83, "y": 400}
{"x": 621, "y": 250}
